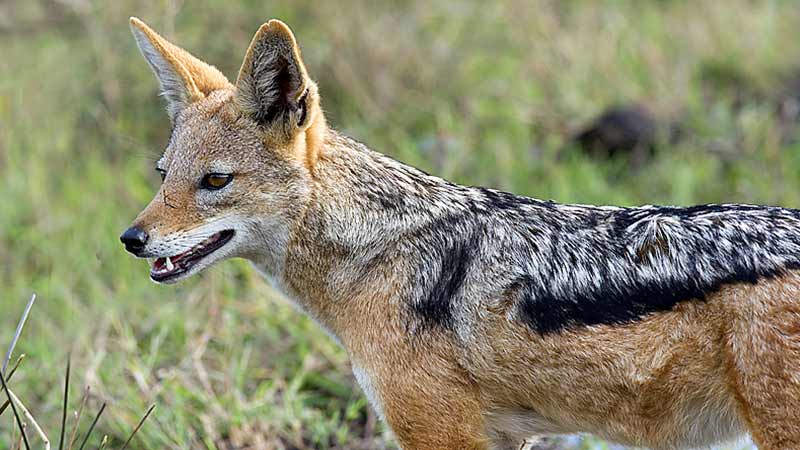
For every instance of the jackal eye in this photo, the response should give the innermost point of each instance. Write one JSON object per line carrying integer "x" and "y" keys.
{"x": 214, "y": 181}
{"x": 161, "y": 172}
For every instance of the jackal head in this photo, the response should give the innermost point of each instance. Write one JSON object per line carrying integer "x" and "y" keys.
{"x": 237, "y": 169}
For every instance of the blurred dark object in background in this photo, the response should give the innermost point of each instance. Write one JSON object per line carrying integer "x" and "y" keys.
{"x": 788, "y": 108}
{"x": 789, "y": 98}
{"x": 624, "y": 129}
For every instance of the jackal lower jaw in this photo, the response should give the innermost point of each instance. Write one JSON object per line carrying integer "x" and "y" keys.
{"x": 171, "y": 267}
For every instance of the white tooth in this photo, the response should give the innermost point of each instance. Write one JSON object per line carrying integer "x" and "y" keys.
{"x": 170, "y": 266}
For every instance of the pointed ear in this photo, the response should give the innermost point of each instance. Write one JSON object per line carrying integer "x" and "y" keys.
{"x": 184, "y": 79}
{"x": 273, "y": 87}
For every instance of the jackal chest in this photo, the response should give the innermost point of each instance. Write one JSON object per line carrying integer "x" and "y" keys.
{"x": 365, "y": 383}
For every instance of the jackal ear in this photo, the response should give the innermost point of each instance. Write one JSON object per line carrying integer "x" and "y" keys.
{"x": 273, "y": 87}
{"x": 184, "y": 78}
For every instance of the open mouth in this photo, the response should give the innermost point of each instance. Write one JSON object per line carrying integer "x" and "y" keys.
{"x": 169, "y": 267}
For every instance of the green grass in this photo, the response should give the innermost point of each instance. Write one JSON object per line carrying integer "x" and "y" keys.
{"x": 481, "y": 93}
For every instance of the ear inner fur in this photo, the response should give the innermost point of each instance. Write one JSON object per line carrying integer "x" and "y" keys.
{"x": 282, "y": 32}
{"x": 303, "y": 109}
{"x": 272, "y": 80}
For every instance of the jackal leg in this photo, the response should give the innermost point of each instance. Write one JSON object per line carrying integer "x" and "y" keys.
{"x": 427, "y": 414}
{"x": 427, "y": 399}
{"x": 764, "y": 366}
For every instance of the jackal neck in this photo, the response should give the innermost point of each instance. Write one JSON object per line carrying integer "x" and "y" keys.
{"x": 346, "y": 258}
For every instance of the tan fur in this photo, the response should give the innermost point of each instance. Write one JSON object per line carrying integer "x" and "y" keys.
{"x": 762, "y": 345}
{"x": 699, "y": 373}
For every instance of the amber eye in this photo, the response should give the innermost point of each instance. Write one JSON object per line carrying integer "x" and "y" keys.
{"x": 214, "y": 181}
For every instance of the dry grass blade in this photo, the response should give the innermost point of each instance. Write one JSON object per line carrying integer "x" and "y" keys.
{"x": 103, "y": 443}
{"x": 16, "y": 439}
{"x": 14, "y": 410}
{"x": 91, "y": 427}
{"x": 141, "y": 422}
{"x": 78, "y": 419}
{"x": 13, "y": 370}
{"x": 29, "y": 417}
{"x": 18, "y": 332}
{"x": 64, "y": 408}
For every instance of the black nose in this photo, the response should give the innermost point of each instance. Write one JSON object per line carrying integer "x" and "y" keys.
{"x": 134, "y": 239}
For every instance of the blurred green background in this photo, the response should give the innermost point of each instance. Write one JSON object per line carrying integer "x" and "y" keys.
{"x": 481, "y": 93}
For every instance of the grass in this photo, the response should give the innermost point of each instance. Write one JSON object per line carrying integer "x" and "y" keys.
{"x": 480, "y": 93}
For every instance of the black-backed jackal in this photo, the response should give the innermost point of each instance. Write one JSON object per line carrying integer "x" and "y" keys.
{"x": 475, "y": 318}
